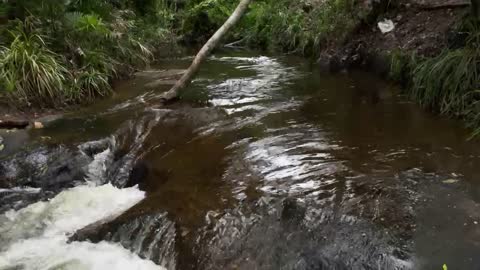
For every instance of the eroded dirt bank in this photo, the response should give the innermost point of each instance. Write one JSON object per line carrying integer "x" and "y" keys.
{"x": 421, "y": 27}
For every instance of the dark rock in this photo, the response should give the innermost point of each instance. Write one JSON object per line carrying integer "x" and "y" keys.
{"x": 292, "y": 211}
{"x": 329, "y": 62}
{"x": 138, "y": 175}
{"x": 39, "y": 174}
{"x": 146, "y": 177}
{"x": 94, "y": 147}
{"x": 14, "y": 199}
{"x": 45, "y": 168}
{"x": 151, "y": 236}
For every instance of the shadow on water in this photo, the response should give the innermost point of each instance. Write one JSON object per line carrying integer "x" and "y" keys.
{"x": 283, "y": 168}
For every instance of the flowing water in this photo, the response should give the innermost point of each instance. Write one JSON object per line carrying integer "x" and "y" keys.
{"x": 275, "y": 166}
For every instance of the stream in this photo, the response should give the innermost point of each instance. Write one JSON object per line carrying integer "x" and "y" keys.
{"x": 266, "y": 163}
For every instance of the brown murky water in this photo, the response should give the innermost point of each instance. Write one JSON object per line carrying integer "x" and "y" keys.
{"x": 283, "y": 167}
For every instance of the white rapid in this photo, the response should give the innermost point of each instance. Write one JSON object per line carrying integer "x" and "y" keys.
{"x": 36, "y": 237}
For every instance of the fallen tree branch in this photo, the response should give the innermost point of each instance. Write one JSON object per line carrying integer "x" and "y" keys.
{"x": 445, "y": 6}
{"x": 11, "y": 123}
{"x": 185, "y": 80}
{"x": 235, "y": 44}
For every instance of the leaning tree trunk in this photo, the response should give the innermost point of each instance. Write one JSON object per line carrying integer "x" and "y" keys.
{"x": 206, "y": 49}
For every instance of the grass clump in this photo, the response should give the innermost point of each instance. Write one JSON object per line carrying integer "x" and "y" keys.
{"x": 299, "y": 27}
{"x": 30, "y": 72}
{"x": 401, "y": 65}
{"x": 450, "y": 82}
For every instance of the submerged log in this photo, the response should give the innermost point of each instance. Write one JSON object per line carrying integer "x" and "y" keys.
{"x": 204, "y": 52}
{"x": 12, "y": 122}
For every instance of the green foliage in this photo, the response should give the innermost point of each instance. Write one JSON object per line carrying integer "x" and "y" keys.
{"x": 446, "y": 81}
{"x": 3, "y": 9}
{"x": 88, "y": 24}
{"x": 450, "y": 82}
{"x": 90, "y": 83}
{"x": 294, "y": 29}
{"x": 401, "y": 65}
{"x": 201, "y": 18}
{"x": 90, "y": 42}
{"x": 292, "y": 26}
{"x": 29, "y": 71}
{"x": 99, "y": 8}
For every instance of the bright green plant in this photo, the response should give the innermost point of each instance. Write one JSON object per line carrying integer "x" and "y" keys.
{"x": 30, "y": 73}
{"x": 90, "y": 83}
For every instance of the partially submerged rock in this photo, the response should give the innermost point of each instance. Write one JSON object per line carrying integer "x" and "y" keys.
{"x": 8, "y": 121}
{"x": 151, "y": 236}
{"x": 42, "y": 168}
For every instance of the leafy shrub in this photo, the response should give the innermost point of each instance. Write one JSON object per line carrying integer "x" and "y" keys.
{"x": 89, "y": 43}
{"x": 292, "y": 26}
{"x": 90, "y": 83}
{"x": 29, "y": 71}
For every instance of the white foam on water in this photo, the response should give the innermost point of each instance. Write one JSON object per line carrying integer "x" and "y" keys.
{"x": 56, "y": 253}
{"x": 98, "y": 167}
{"x": 36, "y": 237}
{"x": 20, "y": 190}
{"x": 69, "y": 211}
